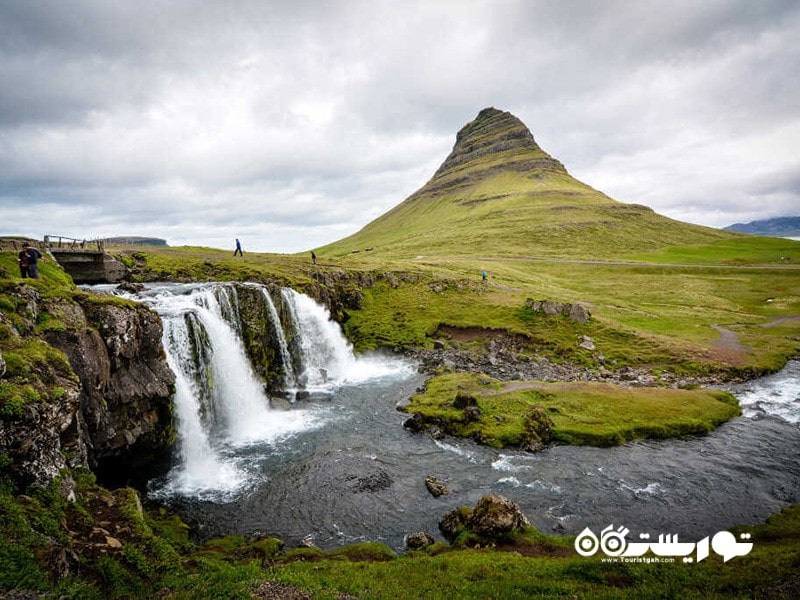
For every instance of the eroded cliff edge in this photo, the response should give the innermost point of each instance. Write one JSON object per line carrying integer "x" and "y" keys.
{"x": 86, "y": 384}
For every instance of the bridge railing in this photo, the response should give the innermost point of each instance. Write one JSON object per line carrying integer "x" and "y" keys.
{"x": 60, "y": 242}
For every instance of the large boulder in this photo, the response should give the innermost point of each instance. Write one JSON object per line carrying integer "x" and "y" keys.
{"x": 574, "y": 311}
{"x": 493, "y": 517}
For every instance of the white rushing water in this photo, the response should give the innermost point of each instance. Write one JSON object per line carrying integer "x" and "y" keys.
{"x": 325, "y": 355}
{"x": 223, "y": 412}
{"x": 777, "y": 395}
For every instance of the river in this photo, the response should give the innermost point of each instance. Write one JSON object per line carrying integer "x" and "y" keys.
{"x": 337, "y": 467}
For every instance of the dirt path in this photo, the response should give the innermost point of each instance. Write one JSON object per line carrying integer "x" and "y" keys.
{"x": 781, "y": 321}
{"x": 728, "y": 340}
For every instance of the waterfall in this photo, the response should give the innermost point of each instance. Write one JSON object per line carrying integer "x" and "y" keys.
{"x": 323, "y": 353}
{"x": 238, "y": 394}
{"x": 200, "y": 468}
{"x": 223, "y": 414}
{"x": 228, "y": 303}
{"x": 290, "y": 380}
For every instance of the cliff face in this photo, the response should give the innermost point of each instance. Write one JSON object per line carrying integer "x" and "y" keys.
{"x": 126, "y": 385}
{"x": 93, "y": 385}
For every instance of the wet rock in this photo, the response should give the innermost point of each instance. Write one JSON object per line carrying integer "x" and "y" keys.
{"x": 379, "y": 480}
{"x": 415, "y": 423}
{"x": 2, "y": 366}
{"x": 125, "y": 411}
{"x": 435, "y": 487}
{"x": 496, "y": 515}
{"x": 130, "y": 287}
{"x": 438, "y": 345}
{"x": 419, "y": 540}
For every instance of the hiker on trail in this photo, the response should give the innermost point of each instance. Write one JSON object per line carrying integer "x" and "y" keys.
{"x": 28, "y": 260}
{"x": 238, "y": 248}
{"x": 313, "y": 258}
{"x": 484, "y": 275}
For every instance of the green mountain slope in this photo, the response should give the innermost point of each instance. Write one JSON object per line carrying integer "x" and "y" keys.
{"x": 499, "y": 194}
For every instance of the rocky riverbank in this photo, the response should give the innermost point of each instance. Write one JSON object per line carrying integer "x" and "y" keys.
{"x": 503, "y": 357}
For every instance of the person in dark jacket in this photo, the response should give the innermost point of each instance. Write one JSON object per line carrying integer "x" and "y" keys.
{"x": 238, "y": 248}
{"x": 28, "y": 260}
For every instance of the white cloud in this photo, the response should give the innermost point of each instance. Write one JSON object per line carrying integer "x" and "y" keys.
{"x": 294, "y": 124}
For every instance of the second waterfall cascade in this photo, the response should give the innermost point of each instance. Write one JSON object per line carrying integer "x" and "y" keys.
{"x": 222, "y": 409}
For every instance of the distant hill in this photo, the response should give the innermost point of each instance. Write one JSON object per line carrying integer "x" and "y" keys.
{"x": 777, "y": 227}
{"x": 135, "y": 240}
{"x": 499, "y": 194}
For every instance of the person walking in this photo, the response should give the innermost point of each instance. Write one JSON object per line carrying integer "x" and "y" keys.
{"x": 238, "y": 248}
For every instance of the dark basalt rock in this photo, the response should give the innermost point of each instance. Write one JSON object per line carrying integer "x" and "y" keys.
{"x": 415, "y": 423}
{"x": 105, "y": 404}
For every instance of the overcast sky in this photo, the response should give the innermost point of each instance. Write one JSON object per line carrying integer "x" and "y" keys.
{"x": 293, "y": 124}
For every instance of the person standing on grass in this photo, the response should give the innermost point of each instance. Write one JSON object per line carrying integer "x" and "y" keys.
{"x": 313, "y": 258}
{"x": 28, "y": 261}
{"x": 238, "y": 248}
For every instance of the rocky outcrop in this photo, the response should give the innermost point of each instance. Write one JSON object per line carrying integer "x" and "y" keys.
{"x": 577, "y": 311}
{"x": 496, "y": 515}
{"x": 115, "y": 349}
{"x": 493, "y": 518}
{"x": 88, "y": 386}
{"x": 480, "y": 146}
{"x": 37, "y": 440}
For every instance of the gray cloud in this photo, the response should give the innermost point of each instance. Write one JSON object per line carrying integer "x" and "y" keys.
{"x": 293, "y": 124}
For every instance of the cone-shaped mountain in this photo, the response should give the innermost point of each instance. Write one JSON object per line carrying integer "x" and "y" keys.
{"x": 499, "y": 194}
